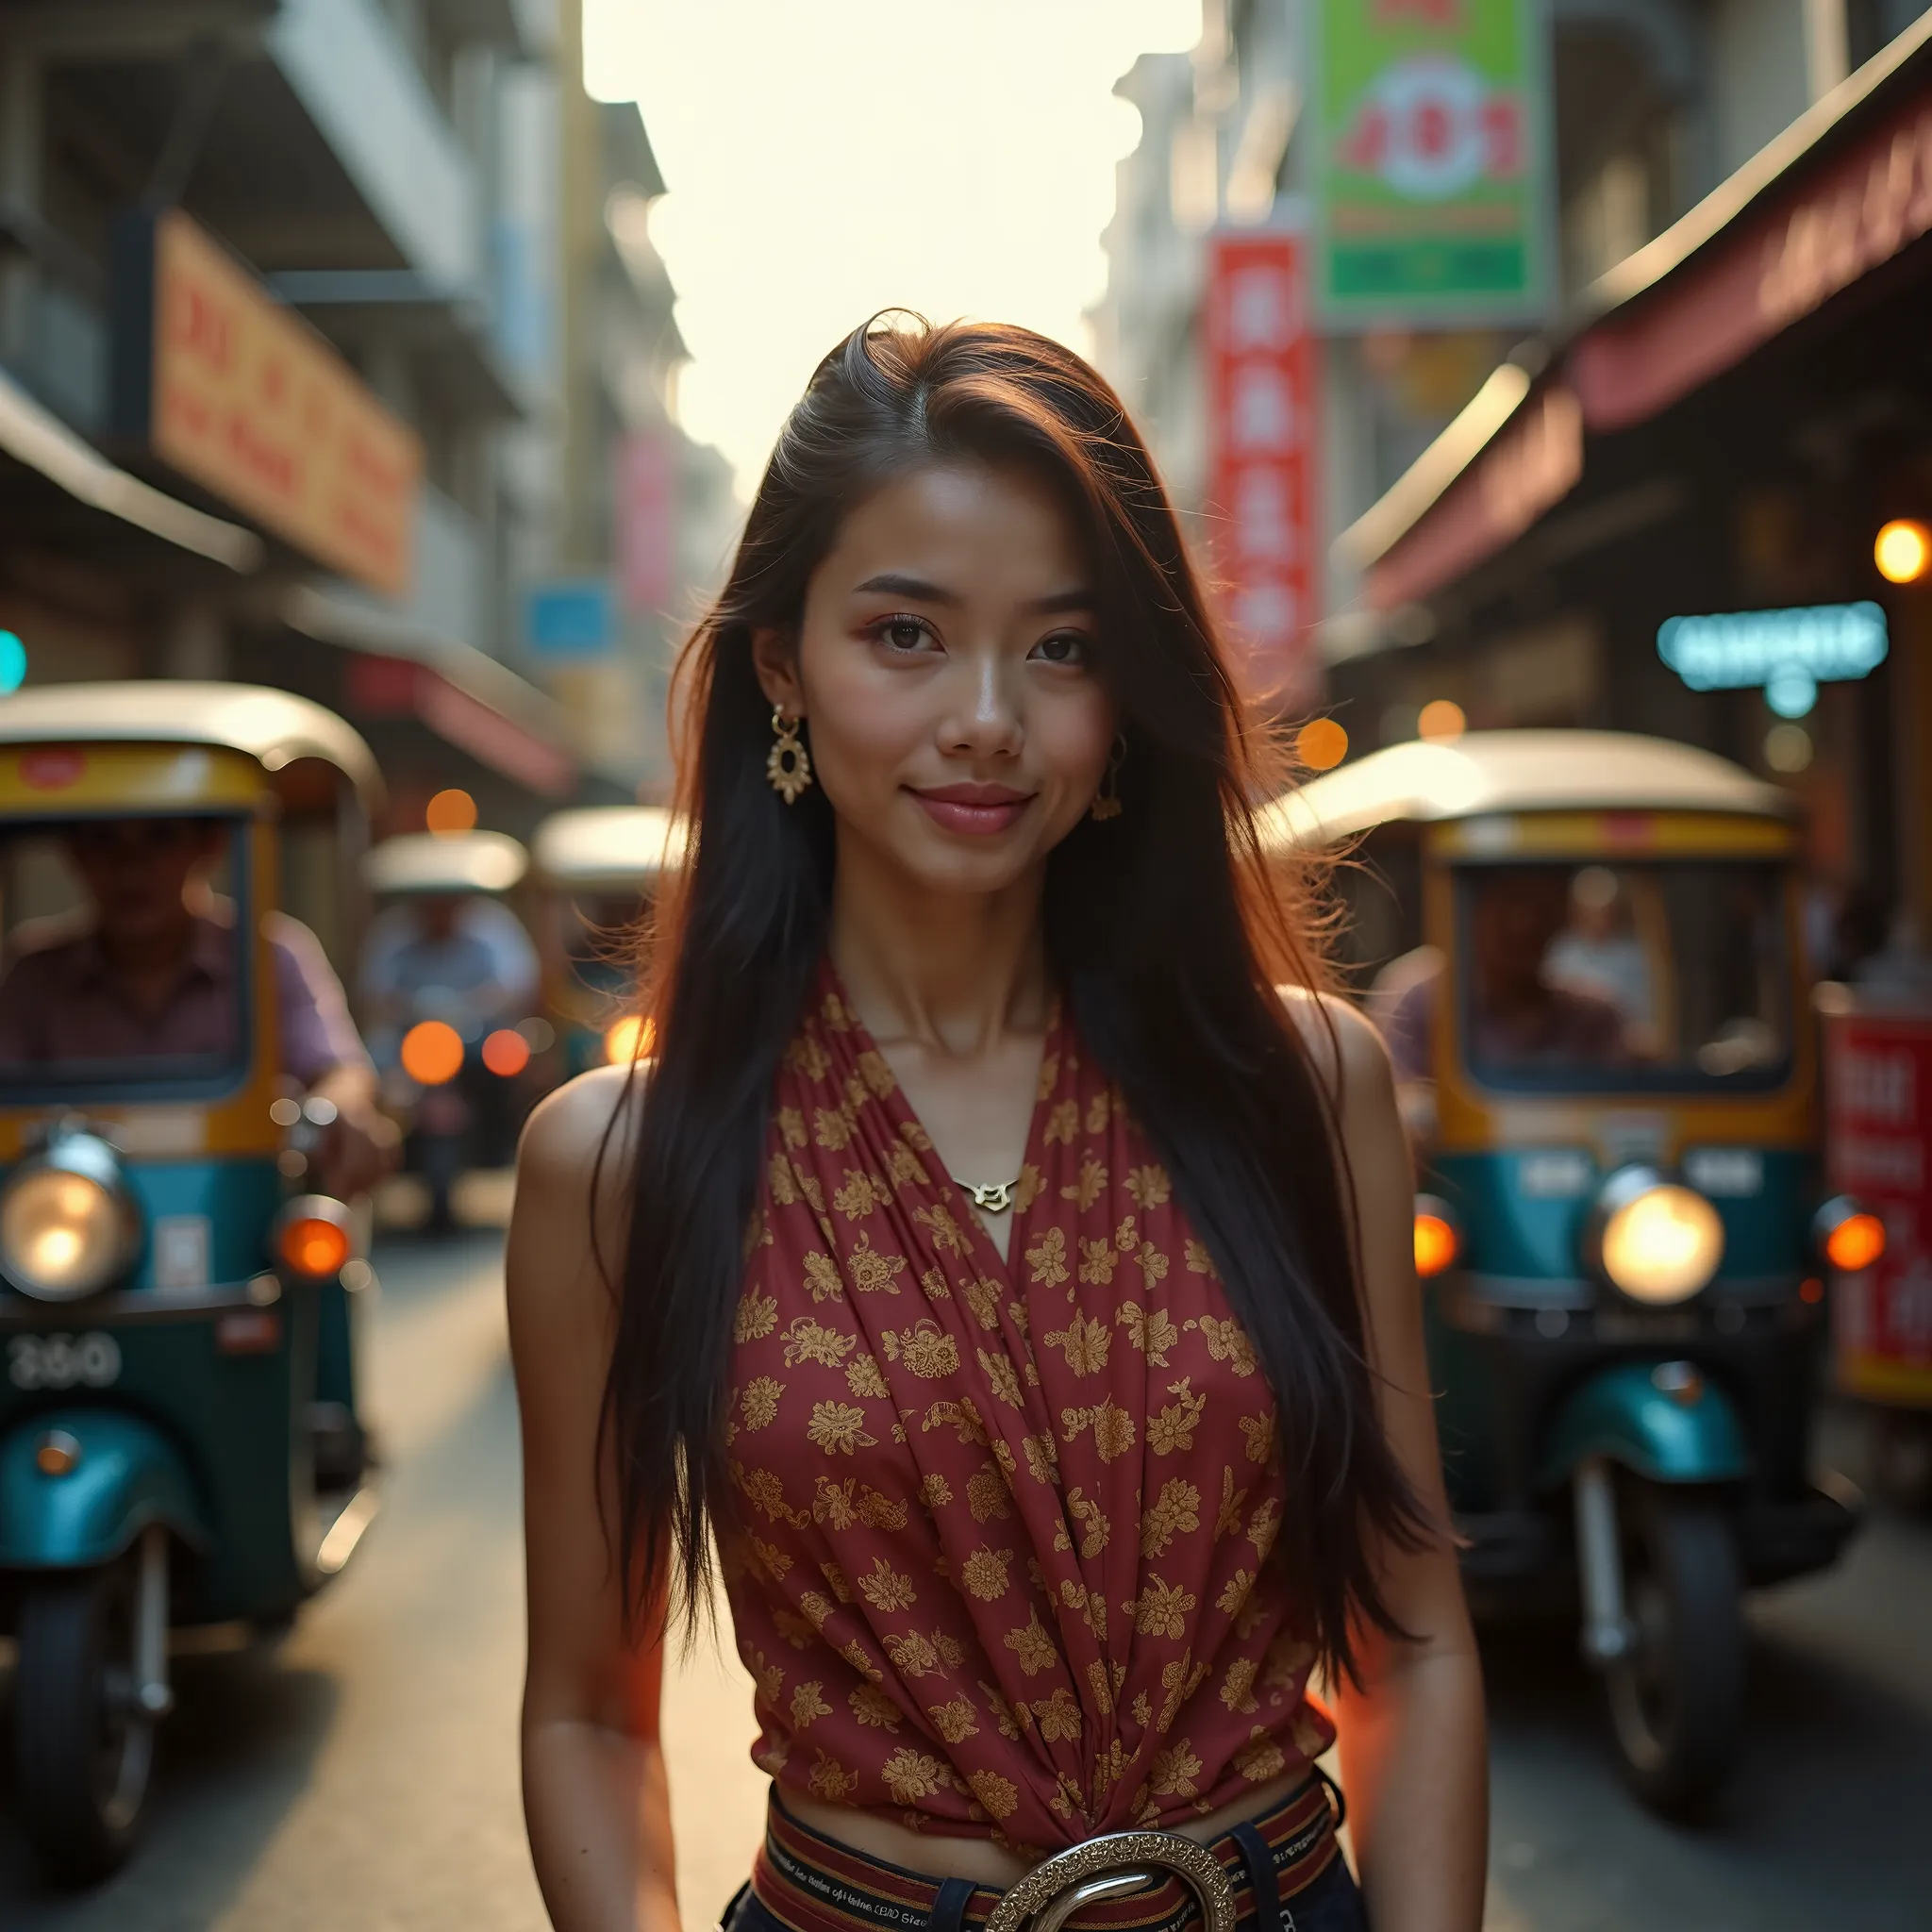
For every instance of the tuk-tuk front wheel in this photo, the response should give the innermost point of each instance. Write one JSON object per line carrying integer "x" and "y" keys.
{"x": 1676, "y": 1695}
{"x": 83, "y": 1734}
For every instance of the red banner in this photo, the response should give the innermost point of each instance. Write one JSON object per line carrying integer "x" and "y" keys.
{"x": 1879, "y": 1145}
{"x": 1262, "y": 460}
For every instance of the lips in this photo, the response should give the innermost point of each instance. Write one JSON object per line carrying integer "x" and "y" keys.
{"x": 975, "y": 810}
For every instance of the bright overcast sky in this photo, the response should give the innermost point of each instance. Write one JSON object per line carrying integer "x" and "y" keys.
{"x": 827, "y": 158}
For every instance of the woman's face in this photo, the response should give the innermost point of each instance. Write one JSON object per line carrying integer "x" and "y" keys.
{"x": 946, "y": 671}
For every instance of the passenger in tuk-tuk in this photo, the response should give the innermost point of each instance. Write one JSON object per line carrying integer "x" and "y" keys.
{"x": 150, "y": 966}
{"x": 1523, "y": 1012}
{"x": 1599, "y": 951}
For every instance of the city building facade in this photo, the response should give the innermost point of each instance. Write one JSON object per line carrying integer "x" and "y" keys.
{"x": 317, "y": 343}
{"x": 1674, "y": 135}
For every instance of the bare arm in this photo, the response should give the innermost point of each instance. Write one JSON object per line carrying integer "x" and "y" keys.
{"x": 1414, "y": 1750}
{"x": 595, "y": 1797}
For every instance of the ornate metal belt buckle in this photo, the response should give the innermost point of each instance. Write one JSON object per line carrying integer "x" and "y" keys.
{"x": 1102, "y": 1868}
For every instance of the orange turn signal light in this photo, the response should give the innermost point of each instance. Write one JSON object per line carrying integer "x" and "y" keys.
{"x": 1437, "y": 1241}
{"x": 1856, "y": 1242}
{"x": 313, "y": 1246}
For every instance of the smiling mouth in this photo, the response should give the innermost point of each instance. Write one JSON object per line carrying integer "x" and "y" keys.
{"x": 977, "y": 809}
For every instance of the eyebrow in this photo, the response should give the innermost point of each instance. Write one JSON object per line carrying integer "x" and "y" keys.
{"x": 922, "y": 591}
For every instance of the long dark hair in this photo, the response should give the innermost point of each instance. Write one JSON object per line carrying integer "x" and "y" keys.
{"x": 1164, "y": 929}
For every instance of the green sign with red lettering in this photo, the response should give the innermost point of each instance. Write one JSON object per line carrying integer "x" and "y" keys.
{"x": 1431, "y": 170}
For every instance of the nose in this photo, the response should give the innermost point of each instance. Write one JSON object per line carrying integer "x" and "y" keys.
{"x": 984, "y": 720}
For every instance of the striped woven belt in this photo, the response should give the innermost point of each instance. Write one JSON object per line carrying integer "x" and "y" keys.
{"x": 815, "y": 1884}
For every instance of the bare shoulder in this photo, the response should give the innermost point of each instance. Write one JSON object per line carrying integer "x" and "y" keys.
{"x": 568, "y": 1127}
{"x": 1347, "y": 1053}
{"x": 572, "y": 1179}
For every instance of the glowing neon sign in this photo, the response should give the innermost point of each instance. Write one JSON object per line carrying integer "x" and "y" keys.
{"x": 1789, "y": 653}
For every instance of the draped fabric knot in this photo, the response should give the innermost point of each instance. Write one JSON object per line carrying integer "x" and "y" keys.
{"x": 997, "y": 1562}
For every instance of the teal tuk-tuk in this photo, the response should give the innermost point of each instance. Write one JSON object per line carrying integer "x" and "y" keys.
{"x": 1591, "y": 980}
{"x": 181, "y": 1440}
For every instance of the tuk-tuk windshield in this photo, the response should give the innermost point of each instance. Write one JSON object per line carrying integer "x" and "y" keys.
{"x": 1665, "y": 975}
{"x": 122, "y": 967}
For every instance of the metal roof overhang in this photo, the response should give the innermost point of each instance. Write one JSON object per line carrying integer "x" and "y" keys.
{"x": 1845, "y": 189}
{"x": 445, "y": 329}
{"x": 57, "y": 491}
{"x": 459, "y": 692}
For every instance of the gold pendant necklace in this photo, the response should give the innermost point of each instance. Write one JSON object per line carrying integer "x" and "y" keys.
{"x": 989, "y": 1198}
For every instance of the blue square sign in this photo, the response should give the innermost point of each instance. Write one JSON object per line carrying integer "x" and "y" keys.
{"x": 574, "y": 617}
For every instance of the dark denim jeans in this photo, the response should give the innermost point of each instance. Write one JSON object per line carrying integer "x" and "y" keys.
{"x": 1332, "y": 1904}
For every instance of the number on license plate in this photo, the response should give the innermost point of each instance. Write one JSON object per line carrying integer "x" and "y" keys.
{"x": 63, "y": 1361}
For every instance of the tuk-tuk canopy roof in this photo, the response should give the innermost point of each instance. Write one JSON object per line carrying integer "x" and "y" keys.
{"x": 439, "y": 862}
{"x": 616, "y": 847}
{"x": 1516, "y": 771}
{"x": 273, "y": 727}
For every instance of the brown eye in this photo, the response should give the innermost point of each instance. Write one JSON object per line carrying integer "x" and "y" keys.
{"x": 902, "y": 634}
{"x": 1062, "y": 647}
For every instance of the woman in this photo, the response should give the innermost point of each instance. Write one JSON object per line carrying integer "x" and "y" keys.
{"x": 1016, "y": 1283}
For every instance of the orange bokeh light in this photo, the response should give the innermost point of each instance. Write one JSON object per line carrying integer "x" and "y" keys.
{"x": 450, "y": 813}
{"x": 1902, "y": 551}
{"x": 630, "y": 1039}
{"x": 432, "y": 1053}
{"x": 1441, "y": 722}
{"x": 505, "y": 1052}
{"x": 314, "y": 1246}
{"x": 1856, "y": 1242}
{"x": 1321, "y": 745}
{"x": 1435, "y": 1244}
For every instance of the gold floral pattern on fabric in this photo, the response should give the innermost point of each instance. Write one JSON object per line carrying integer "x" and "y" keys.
{"x": 997, "y": 1561}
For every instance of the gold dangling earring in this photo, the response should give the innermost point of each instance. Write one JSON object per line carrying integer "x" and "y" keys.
{"x": 1107, "y": 801}
{"x": 789, "y": 768}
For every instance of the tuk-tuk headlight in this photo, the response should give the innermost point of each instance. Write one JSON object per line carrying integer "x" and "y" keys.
{"x": 67, "y": 1227}
{"x": 1654, "y": 1240}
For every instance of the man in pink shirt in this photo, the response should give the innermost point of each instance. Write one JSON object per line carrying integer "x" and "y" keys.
{"x": 149, "y": 970}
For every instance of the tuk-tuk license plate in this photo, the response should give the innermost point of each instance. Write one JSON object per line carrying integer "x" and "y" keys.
{"x": 63, "y": 1361}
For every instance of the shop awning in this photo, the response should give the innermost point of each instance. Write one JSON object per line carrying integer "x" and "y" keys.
{"x": 37, "y": 438}
{"x": 1843, "y": 190}
{"x": 463, "y": 695}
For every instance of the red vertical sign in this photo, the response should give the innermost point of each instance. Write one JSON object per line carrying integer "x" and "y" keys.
{"x": 1261, "y": 457}
{"x": 644, "y": 505}
{"x": 1878, "y": 1115}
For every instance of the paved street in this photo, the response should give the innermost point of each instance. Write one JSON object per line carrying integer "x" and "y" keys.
{"x": 363, "y": 1778}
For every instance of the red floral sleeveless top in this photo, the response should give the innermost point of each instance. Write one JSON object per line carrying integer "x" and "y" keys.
{"x": 996, "y": 1566}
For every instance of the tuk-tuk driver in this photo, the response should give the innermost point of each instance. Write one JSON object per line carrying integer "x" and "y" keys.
{"x": 148, "y": 968}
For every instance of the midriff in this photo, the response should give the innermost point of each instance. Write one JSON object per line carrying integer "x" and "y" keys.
{"x": 983, "y": 1861}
